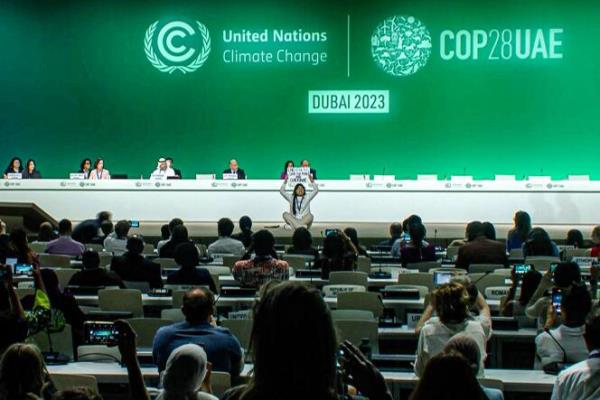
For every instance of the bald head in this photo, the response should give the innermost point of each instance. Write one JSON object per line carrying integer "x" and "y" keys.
{"x": 198, "y": 305}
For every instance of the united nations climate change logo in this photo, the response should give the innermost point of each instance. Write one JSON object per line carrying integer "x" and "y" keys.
{"x": 178, "y": 46}
{"x": 401, "y": 45}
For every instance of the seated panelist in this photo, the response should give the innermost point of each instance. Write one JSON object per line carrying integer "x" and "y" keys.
{"x": 234, "y": 169}
{"x": 99, "y": 173}
{"x": 162, "y": 169}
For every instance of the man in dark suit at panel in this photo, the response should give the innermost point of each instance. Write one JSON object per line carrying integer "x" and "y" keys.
{"x": 133, "y": 266}
{"x": 479, "y": 249}
{"x": 306, "y": 164}
{"x": 234, "y": 169}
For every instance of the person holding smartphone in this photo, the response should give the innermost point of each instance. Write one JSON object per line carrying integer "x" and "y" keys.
{"x": 299, "y": 200}
{"x": 529, "y": 281}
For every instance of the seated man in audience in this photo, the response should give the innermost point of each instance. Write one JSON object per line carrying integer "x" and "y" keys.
{"x": 222, "y": 348}
{"x": 225, "y": 244}
{"x": 172, "y": 224}
{"x": 263, "y": 267}
{"x": 94, "y": 276}
{"x": 479, "y": 249}
{"x": 106, "y": 228}
{"x": 186, "y": 256}
{"x": 582, "y": 380}
{"x": 245, "y": 234}
{"x": 565, "y": 344}
{"x": 451, "y": 302}
{"x": 395, "y": 234}
{"x": 116, "y": 242}
{"x": 87, "y": 230}
{"x": 133, "y": 266}
{"x": 65, "y": 245}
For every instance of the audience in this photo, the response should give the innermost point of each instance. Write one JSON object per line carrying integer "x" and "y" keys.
{"x": 18, "y": 248}
{"x": 12, "y": 316}
{"x": 564, "y": 344}
{"x": 65, "y": 245}
{"x": 338, "y": 254}
{"x": 87, "y": 230}
{"x": 353, "y": 235}
{"x": 450, "y": 302}
{"x": 294, "y": 317}
{"x": 46, "y": 233}
{"x": 225, "y": 244}
{"x": 165, "y": 233}
{"x": 263, "y": 267}
{"x": 595, "y": 250}
{"x": 395, "y": 234}
{"x": 575, "y": 239}
{"x": 106, "y": 228}
{"x": 405, "y": 239}
{"x": 518, "y": 234}
{"x": 22, "y": 373}
{"x": 179, "y": 235}
{"x": 222, "y": 348}
{"x": 77, "y": 393}
{"x": 116, "y": 242}
{"x": 245, "y": 234}
{"x": 489, "y": 231}
{"x": 512, "y": 307}
{"x": 302, "y": 243}
{"x": 133, "y": 266}
{"x": 538, "y": 244}
{"x": 582, "y": 380}
{"x": 417, "y": 250}
{"x": 187, "y": 258}
{"x": 479, "y": 249}
{"x": 93, "y": 275}
{"x": 172, "y": 224}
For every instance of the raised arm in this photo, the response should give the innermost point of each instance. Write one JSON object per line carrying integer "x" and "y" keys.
{"x": 283, "y": 192}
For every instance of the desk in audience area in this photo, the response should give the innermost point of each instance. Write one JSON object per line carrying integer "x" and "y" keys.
{"x": 562, "y": 202}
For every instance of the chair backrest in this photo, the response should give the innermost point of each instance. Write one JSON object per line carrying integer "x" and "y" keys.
{"x": 568, "y": 254}
{"x": 215, "y": 278}
{"x": 423, "y": 266}
{"x": 348, "y": 278}
{"x": 515, "y": 254}
{"x": 24, "y": 291}
{"x": 503, "y": 271}
{"x": 369, "y": 301}
{"x": 105, "y": 259}
{"x": 142, "y": 286}
{"x": 218, "y": 270}
{"x": 38, "y": 247}
{"x": 452, "y": 252}
{"x": 491, "y": 383}
{"x": 541, "y": 263}
{"x": 148, "y": 249}
{"x": 334, "y": 290}
{"x": 355, "y": 331}
{"x": 121, "y": 300}
{"x": 363, "y": 264}
{"x": 220, "y": 382}
{"x": 54, "y": 261}
{"x": 423, "y": 290}
{"x": 166, "y": 262}
{"x": 172, "y": 314}
{"x": 62, "y": 342}
{"x": 98, "y": 353}
{"x": 69, "y": 381}
{"x": 352, "y": 315}
{"x": 94, "y": 247}
{"x": 483, "y": 281}
{"x": 177, "y": 298}
{"x": 240, "y": 328}
{"x": 230, "y": 260}
{"x": 453, "y": 270}
{"x": 474, "y": 268}
{"x": 146, "y": 329}
{"x": 417, "y": 278}
{"x": 496, "y": 292}
{"x": 295, "y": 260}
{"x": 64, "y": 275}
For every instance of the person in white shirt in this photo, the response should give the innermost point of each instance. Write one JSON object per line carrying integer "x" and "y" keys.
{"x": 162, "y": 171}
{"x": 225, "y": 244}
{"x": 299, "y": 214}
{"x": 116, "y": 242}
{"x": 582, "y": 380}
{"x": 565, "y": 344}
{"x": 451, "y": 303}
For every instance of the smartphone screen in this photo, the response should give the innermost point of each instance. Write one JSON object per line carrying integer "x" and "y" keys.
{"x": 440, "y": 278}
{"x": 134, "y": 224}
{"x": 329, "y": 232}
{"x": 521, "y": 269}
{"x": 553, "y": 267}
{"x": 103, "y": 333}
{"x": 556, "y": 300}
{"x": 23, "y": 269}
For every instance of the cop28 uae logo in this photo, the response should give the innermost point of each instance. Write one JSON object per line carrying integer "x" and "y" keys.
{"x": 401, "y": 45}
{"x": 178, "y": 46}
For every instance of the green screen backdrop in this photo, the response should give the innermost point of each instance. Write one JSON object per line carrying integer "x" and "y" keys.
{"x": 453, "y": 87}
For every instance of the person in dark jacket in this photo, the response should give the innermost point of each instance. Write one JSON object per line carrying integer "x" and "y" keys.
{"x": 93, "y": 275}
{"x": 186, "y": 256}
{"x": 245, "y": 236}
{"x": 132, "y": 266}
{"x": 479, "y": 249}
{"x": 87, "y": 230}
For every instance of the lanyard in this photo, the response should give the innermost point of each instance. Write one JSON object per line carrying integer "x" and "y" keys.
{"x": 299, "y": 205}
{"x": 99, "y": 175}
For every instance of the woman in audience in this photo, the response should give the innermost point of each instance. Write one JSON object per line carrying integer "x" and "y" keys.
{"x": 284, "y": 173}
{"x": 245, "y": 234}
{"x": 178, "y": 235}
{"x": 22, "y": 373}
{"x": 12, "y": 315}
{"x": 19, "y": 248}
{"x": 595, "y": 251}
{"x": 302, "y": 243}
{"x": 85, "y": 167}
{"x": 99, "y": 173}
{"x": 338, "y": 254}
{"x": 417, "y": 250}
{"x": 518, "y": 234}
{"x": 538, "y": 243}
{"x": 450, "y": 302}
{"x": 14, "y": 167}
{"x": 30, "y": 171}
{"x": 186, "y": 256}
{"x": 263, "y": 267}
{"x": 293, "y": 313}
{"x": 512, "y": 307}
{"x": 353, "y": 235}
{"x": 575, "y": 239}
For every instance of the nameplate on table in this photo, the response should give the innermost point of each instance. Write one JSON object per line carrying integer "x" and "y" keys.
{"x": 230, "y": 177}
{"x": 14, "y": 175}
{"x": 77, "y": 176}
{"x": 584, "y": 261}
{"x": 412, "y": 319}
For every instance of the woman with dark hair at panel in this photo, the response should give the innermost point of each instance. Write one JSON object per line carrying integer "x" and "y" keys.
{"x": 14, "y": 167}
{"x": 538, "y": 243}
{"x": 518, "y": 234}
{"x": 417, "y": 250}
{"x": 353, "y": 236}
{"x": 512, "y": 307}
{"x": 85, "y": 167}
{"x": 302, "y": 243}
{"x": 99, "y": 172}
{"x": 575, "y": 239}
{"x": 294, "y": 317}
{"x": 338, "y": 254}
{"x": 288, "y": 164}
{"x": 31, "y": 171}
